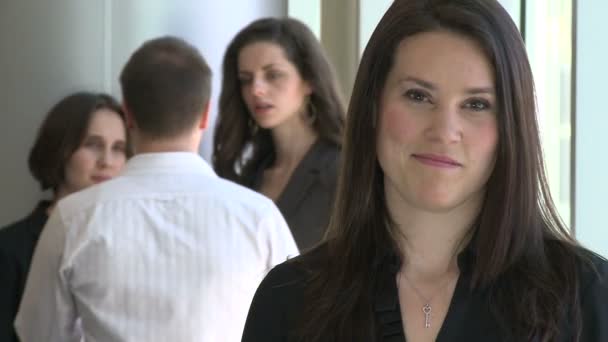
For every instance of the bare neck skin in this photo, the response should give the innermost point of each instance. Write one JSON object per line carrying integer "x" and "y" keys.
{"x": 430, "y": 241}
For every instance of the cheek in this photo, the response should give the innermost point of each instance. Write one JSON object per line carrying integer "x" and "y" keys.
{"x": 245, "y": 96}
{"x": 291, "y": 91}
{"x": 396, "y": 125}
{"x": 81, "y": 162}
{"x": 488, "y": 140}
{"x": 121, "y": 160}
{"x": 484, "y": 144}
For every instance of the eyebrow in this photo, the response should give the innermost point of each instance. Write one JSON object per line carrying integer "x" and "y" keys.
{"x": 265, "y": 67}
{"x": 431, "y": 86}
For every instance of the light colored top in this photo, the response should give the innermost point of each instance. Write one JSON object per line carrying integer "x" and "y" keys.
{"x": 168, "y": 251}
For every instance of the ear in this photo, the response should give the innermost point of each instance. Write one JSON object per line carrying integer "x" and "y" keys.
{"x": 205, "y": 117}
{"x": 128, "y": 116}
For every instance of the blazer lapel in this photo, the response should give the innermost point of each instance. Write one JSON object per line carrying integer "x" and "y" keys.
{"x": 302, "y": 179}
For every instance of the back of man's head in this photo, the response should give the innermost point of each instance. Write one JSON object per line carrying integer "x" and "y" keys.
{"x": 166, "y": 85}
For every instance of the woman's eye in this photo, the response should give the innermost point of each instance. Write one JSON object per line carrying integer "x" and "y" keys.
{"x": 417, "y": 96}
{"x": 93, "y": 144}
{"x": 478, "y": 105}
{"x": 119, "y": 148}
{"x": 273, "y": 75}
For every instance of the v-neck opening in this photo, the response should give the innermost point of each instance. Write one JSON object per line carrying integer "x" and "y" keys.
{"x": 298, "y": 172}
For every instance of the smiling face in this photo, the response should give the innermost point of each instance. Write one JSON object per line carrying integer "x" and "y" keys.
{"x": 271, "y": 85}
{"x": 100, "y": 156}
{"x": 438, "y": 134}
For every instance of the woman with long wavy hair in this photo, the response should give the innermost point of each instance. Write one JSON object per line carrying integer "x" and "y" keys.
{"x": 280, "y": 122}
{"x": 443, "y": 228}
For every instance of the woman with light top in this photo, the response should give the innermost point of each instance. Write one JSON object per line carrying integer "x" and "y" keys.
{"x": 280, "y": 122}
{"x": 82, "y": 142}
{"x": 444, "y": 228}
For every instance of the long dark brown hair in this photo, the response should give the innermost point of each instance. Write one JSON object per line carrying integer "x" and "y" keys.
{"x": 239, "y": 144}
{"x": 525, "y": 255}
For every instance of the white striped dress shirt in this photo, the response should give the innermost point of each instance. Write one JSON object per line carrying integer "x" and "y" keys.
{"x": 165, "y": 252}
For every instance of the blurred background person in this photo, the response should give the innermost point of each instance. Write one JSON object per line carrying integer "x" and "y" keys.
{"x": 82, "y": 141}
{"x": 280, "y": 122}
{"x": 167, "y": 251}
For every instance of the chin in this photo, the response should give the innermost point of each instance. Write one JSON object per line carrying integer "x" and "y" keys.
{"x": 438, "y": 204}
{"x": 265, "y": 125}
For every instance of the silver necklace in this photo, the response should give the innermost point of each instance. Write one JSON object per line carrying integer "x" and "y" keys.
{"x": 426, "y": 308}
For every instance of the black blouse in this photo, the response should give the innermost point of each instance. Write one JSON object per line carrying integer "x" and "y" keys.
{"x": 279, "y": 300}
{"x": 17, "y": 243}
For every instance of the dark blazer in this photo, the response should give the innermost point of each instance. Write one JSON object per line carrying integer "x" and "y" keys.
{"x": 275, "y": 311}
{"x": 17, "y": 243}
{"x": 307, "y": 199}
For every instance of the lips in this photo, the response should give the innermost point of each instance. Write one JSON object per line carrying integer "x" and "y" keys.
{"x": 99, "y": 179}
{"x": 437, "y": 160}
{"x": 261, "y": 108}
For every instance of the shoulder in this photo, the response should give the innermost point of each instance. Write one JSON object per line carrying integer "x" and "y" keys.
{"x": 593, "y": 271}
{"x": 244, "y": 203}
{"x": 276, "y": 304}
{"x": 231, "y": 191}
{"x": 591, "y": 268}
{"x": 286, "y": 278}
{"x": 13, "y": 231}
{"x": 291, "y": 276}
{"x": 213, "y": 191}
{"x": 16, "y": 245}
{"x": 593, "y": 296}
{"x": 280, "y": 299}
{"x": 22, "y": 234}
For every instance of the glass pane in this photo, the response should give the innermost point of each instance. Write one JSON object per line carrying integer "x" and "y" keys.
{"x": 307, "y": 11}
{"x": 549, "y": 43}
{"x": 370, "y": 13}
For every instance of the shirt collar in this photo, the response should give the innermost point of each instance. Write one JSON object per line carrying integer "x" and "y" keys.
{"x": 168, "y": 162}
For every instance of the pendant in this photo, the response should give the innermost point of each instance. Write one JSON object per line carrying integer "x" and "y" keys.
{"x": 427, "y": 315}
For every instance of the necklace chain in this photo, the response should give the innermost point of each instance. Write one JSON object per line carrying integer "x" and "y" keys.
{"x": 426, "y": 308}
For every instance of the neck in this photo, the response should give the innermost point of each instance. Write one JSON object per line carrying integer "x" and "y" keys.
{"x": 184, "y": 143}
{"x": 291, "y": 142}
{"x": 430, "y": 241}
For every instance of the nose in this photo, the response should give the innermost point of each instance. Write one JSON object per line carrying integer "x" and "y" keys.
{"x": 258, "y": 87}
{"x": 445, "y": 125}
{"x": 106, "y": 158}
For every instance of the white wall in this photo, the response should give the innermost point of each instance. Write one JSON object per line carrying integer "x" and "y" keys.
{"x": 52, "y": 48}
{"x": 591, "y": 121}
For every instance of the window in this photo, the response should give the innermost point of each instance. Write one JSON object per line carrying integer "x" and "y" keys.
{"x": 548, "y": 35}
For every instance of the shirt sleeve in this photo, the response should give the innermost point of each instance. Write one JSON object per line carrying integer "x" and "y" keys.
{"x": 9, "y": 296}
{"x": 594, "y": 304}
{"x": 47, "y": 311}
{"x": 278, "y": 241}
